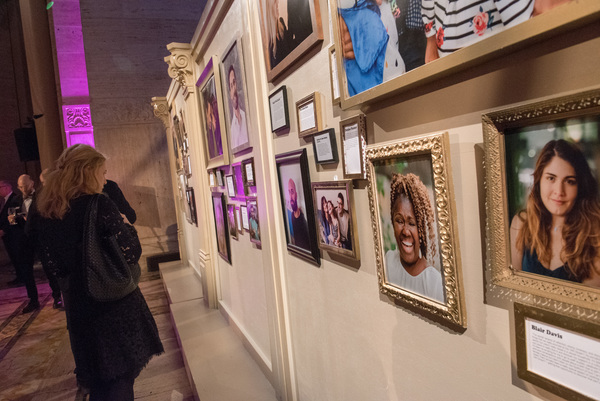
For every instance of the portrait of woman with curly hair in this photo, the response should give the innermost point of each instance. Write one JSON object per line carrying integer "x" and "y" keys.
{"x": 410, "y": 265}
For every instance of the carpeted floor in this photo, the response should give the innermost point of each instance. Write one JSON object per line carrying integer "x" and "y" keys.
{"x": 36, "y": 363}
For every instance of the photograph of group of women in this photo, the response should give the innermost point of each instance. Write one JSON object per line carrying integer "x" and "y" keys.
{"x": 408, "y": 225}
{"x": 383, "y": 39}
{"x": 553, "y": 199}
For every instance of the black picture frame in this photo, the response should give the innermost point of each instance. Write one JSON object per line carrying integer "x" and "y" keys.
{"x": 191, "y": 203}
{"x": 279, "y": 99}
{"x": 292, "y": 169}
{"x": 325, "y": 138}
{"x": 249, "y": 179}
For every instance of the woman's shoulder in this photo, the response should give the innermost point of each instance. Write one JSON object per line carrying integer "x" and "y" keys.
{"x": 518, "y": 221}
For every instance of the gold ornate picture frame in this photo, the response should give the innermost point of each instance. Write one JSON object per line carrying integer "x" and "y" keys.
{"x": 489, "y": 41}
{"x": 512, "y": 137}
{"x": 415, "y": 236}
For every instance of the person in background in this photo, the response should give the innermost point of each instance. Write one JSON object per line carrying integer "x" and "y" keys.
{"x": 111, "y": 341}
{"x": 26, "y": 186}
{"x": 238, "y": 127}
{"x": 112, "y": 190}
{"x": 345, "y": 223}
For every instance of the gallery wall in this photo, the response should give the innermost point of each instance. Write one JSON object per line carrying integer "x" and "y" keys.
{"x": 343, "y": 339}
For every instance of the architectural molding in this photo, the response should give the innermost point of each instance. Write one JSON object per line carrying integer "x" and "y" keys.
{"x": 161, "y": 110}
{"x": 181, "y": 64}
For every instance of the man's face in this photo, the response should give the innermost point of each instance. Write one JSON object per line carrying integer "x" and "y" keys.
{"x": 233, "y": 90}
{"x": 340, "y": 206}
{"x": 25, "y": 185}
{"x": 293, "y": 195}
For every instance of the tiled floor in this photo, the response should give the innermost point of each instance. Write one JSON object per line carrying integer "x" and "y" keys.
{"x": 36, "y": 363}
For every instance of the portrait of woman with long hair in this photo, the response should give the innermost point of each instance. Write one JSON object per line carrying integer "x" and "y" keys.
{"x": 558, "y": 233}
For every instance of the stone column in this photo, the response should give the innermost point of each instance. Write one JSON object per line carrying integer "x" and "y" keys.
{"x": 40, "y": 69}
{"x": 161, "y": 111}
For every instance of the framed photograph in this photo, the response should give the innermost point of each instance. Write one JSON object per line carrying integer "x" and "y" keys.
{"x": 211, "y": 179}
{"x": 325, "y": 147}
{"x": 232, "y": 221}
{"x": 308, "y": 113}
{"x": 424, "y": 47}
{"x": 335, "y": 217}
{"x": 248, "y": 172}
{"x": 289, "y": 29}
{"x": 220, "y": 214}
{"x": 211, "y": 104}
{"x": 335, "y": 84}
{"x": 414, "y": 226}
{"x": 540, "y": 239}
{"x": 278, "y": 110}
{"x": 230, "y": 181}
{"x": 238, "y": 221}
{"x": 237, "y": 101}
{"x": 191, "y": 204}
{"x": 253, "y": 221}
{"x": 297, "y": 206}
{"x": 187, "y": 165}
{"x": 353, "y": 132}
{"x": 219, "y": 175}
{"x": 244, "y": 214}
{"x": 557, "y": 352}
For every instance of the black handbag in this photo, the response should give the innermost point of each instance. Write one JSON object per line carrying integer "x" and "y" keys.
{"x": 107, "y": 275}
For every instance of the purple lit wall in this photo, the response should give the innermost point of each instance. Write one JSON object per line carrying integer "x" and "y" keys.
{"x": 72, "y": 71}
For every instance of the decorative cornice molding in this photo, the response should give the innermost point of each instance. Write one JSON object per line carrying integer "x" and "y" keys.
{"x": 180, "y": 64}
{"x": 161, "y": 110}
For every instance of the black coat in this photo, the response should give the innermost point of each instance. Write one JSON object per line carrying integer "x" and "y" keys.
{"x": 108, "y": 339}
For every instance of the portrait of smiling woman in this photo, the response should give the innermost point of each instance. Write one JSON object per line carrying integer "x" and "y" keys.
{"x": 409, "y": 266}
{"x": 558, "y": 232}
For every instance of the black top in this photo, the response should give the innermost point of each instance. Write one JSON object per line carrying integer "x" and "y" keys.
{"x": 531, "y": 264}
{"x": 108, "y": 339}
{"x": 116, "y": 195}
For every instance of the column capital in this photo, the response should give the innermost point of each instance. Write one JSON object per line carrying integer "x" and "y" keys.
{"x": 161, "y": 110}
{"x": 180, "y": 64}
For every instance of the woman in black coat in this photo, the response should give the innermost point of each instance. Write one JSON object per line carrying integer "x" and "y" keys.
{"x": 111, "y": 341}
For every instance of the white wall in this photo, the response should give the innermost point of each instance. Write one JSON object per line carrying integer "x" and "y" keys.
{"x": 348, "y": 342}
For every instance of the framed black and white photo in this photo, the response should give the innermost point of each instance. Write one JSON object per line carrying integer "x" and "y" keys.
{"x": 238, "y": 221}
{"x": 297, "y": 206}
{"x": 308, "y": 113}
{"x": 219, "y": 175}
{"x": 279, "y": 111}
{"x": 325, "y": 147}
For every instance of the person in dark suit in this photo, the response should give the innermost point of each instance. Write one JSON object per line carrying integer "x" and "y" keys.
{"x": 116, "y": 195}
{"x": 15, "y": 242}
{"x": 30, "y": 243}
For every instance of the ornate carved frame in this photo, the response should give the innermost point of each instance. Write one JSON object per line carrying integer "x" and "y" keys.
{"x": 570, "y": 296}
{"x": 453, "y": 310}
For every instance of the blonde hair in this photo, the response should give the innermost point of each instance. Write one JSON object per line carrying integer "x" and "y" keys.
{"x": 411, "y": 186}
{"x": 74, "y": 174}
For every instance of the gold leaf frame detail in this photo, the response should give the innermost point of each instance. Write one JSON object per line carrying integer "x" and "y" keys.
{"x": 560, "y": 295}
{"x": 453, "y": 311}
